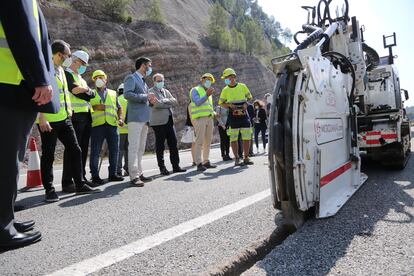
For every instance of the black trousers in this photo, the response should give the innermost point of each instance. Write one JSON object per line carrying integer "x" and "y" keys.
{"x": 16, "y": 125}
{"x": 162, "y": 133}
{"x": 260, "y": 128}
{"x": 65, "y": 132}
{"x": 82, "y": 123}
{"x": 224, "y": 142}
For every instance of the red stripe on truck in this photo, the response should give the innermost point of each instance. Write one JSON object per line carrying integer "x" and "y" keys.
{"x": 336, "y": 173}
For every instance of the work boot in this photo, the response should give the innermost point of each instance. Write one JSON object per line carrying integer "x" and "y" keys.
{"x": 247, "y": 161}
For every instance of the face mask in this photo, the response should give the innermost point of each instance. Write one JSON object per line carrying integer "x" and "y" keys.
{"x": 227, "y": 81}
{"x": 159, "y": 85}
{"x": 207, "y": 84}
{"x": 67, "y": 62}
{"x": 149, "y": 71}
{"x": 82, "y": 69}
{"x": 99, "y": 83}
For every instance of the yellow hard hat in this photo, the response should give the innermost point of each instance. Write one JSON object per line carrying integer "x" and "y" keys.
{"x": 98, "y": 73}
{"x": 208, "y": 75}
{"x": 228, "y": 72}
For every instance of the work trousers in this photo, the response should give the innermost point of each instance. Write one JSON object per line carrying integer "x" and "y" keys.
{"x": 17, "y": 125}
{"x": 162, "y": 133}
{"x": 123, "y": 153}
{"x": 137, "y": 139}
{"x": 63, "y": 131}
{"x": 82, "y": 123}
{"x": 98, "y": 135}
{"x": 260, "y": 128}
{"x": 203, "y": 128}
{"x": 224, "y": 141}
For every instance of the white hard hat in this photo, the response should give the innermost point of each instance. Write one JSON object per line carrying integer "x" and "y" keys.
{"x": 121, "y": 86}
{"x": 82, "y": 55}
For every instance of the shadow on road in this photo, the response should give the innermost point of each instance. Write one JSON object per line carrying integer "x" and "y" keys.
{"x": 319, "y": 244}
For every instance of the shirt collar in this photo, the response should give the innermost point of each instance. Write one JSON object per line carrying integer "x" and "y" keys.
{"x": 139, "y": 74}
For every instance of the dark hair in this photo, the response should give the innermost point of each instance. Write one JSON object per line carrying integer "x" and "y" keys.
{"x": 140, "y": 61}
{"x": 259, "y": 103}
{"x": 59, "y": 46}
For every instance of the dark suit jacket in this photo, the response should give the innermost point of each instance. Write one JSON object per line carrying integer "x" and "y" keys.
{"x": 33, "y": 58}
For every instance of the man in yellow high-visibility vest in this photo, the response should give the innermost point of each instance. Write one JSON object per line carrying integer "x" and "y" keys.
{"x": 80, "y": 96}
{"x": 106, "y": 117}
{"x": 59, "y": 126}
{"x": 26, "y": 86}
{"x": 123, "y": 134}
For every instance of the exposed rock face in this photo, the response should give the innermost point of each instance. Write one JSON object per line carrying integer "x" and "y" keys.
{"x": 177, "y": 49}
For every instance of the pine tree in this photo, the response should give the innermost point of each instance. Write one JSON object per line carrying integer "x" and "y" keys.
{"x": 154, "y": 13}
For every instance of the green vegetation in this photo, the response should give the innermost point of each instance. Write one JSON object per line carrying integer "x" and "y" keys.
{"x": 154, "y": 13}
{"x": 242, "y": 26}
{"x": 117, "y": 9}
{"x": 60, "y": 3}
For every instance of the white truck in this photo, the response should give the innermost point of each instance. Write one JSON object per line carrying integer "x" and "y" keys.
{"x": 321, "y": 92}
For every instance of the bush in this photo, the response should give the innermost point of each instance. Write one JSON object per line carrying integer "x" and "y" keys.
{"x": 116, "y": 9}
{"x": 154, "y": 13}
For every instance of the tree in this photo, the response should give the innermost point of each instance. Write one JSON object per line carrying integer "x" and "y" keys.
{"x": 154, "y": 13}
{"x": 219, "y": 20}
{"x": 287, "y": 35}
{"x": 116, "y": 9}
{"x": 253, "y": 34}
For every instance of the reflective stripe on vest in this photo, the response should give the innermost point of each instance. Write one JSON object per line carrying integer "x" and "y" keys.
{"x": 64, "y": 96}
{"x": 9, "y": 71}
{"x": 79, "y": 105}
{"x": 124, "y": 104}
{"x": 110, "y": 114}
{"x": 204, "y": 110}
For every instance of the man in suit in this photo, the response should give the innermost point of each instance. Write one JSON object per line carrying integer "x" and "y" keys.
{"x": 138, "y": 115}
{"x": 27, "y": 85}
{"x": 161, "y": 121}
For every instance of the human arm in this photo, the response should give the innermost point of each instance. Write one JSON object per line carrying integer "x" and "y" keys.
{"x": 167, "y": 102}
{"x": 129, "y": 91}
{"x": 83, "y": 93}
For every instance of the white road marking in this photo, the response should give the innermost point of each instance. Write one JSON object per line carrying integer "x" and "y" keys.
{"x": 127, "y": 251}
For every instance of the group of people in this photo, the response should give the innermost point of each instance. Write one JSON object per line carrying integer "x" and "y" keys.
{"x": 42, "y": 82}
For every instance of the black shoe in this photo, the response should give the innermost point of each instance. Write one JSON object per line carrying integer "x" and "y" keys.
{"x": 208, "y": 165}
{"x": 115, "y": 178}
{"x": 86, "y": 181}
{"x": 137, "y": 182}
{"x": 227, "y": 158}
{"x": 96, "y": 181}
{"x": 164, "y": 171}
{"x": 194, "y": 164}
{"x": 20, "y": 240}
{"x": 24, "y": 226}
{"x": 145, "y": 179}
{"x": 201, "y": 168}
{"x": 179, "y": 170}
{"x": 86, "y": 189}
{"x": 247, "y": 161}
{"x": 68, "y": 188}
{"x": 126, "y": 173}
{"x": 51, "y": 196}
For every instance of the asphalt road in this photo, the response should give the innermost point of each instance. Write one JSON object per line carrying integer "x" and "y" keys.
{"x": 373, "y": 234}
{"x": 186, "y": 223}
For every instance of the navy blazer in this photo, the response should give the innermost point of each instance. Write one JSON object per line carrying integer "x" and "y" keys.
{"x": 33, "y": 58}
{"x": 136, "y": 92}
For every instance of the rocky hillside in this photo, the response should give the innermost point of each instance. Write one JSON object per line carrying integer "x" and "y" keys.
{"x": 178, "y": 47}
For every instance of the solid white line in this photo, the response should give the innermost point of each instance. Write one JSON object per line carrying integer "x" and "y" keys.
{"x": 127, "y": 251}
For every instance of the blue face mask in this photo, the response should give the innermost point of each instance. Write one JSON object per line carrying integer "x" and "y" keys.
{"x": 207, "y": 84}
{"x": 159, "y": 85}
{"x": 82, "y": 69}
{"x": 227, "y": 81}
{"x": 149, "y": 71}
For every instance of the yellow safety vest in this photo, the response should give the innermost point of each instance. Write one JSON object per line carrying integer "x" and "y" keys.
{"x": 9, "y": 71}
{"x": 79, "y": 105}
{"x": 64, "y": 100}
{"x": 110, "y": 115}
{"x": 124, "y": 104}
{"x": 204, "y": 110}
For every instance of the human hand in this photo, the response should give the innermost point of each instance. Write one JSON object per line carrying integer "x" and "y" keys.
{"x": 210, "y": 91}
{"x": 43, "y": 94}
{"x": 121, "y": 122}
{"x": 44, "y": 125}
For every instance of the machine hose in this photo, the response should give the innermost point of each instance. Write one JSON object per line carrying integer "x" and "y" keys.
{"x": 373, "y": 58}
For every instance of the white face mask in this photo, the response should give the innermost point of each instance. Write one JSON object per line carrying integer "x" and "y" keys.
{"x": 99, "y": 83}
{"x": 67, "y": 62}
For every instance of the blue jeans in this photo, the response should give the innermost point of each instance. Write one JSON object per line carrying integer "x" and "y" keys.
{"x": 98, "y": 135}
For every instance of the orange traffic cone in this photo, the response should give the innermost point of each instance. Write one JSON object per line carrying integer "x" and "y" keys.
{"x": 34, "y": 177}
